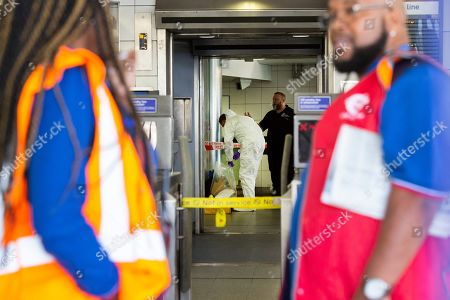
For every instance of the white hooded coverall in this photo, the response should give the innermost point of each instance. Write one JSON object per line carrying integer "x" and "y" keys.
{"x": 248, "y": 133}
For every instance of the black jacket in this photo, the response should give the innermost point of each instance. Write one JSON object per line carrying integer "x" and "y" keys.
{"x": 278, "y": 126}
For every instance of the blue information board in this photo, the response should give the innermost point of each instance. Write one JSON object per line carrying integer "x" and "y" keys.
{"x": 313, "y": 103}
{"x": 146, "y": 105}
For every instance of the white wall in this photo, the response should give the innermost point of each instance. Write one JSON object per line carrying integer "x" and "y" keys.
{"x": 127, "y": 12}
{"x": 341, "y": 79}
{"x": 257, "y": 99}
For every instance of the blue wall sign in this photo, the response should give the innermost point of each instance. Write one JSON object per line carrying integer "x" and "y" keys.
{"x": 313, "y": 103}
{"x": 146, "y": 105}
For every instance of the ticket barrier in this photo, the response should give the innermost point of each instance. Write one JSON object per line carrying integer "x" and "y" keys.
{"x": 308, "y": 110}
{"x": 156, "y": 113}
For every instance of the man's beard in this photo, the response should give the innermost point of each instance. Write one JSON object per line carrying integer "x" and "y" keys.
{"x": 363, "y": 57}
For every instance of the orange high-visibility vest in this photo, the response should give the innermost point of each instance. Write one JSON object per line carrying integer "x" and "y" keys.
{"x": 119, "y": 202}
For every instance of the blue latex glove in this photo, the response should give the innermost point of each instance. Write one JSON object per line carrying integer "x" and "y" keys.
{"x": 230, "y": 164}
{"x": 236, "y": 155}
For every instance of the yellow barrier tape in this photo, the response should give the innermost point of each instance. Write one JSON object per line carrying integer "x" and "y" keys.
{"x": 248, "y": 203}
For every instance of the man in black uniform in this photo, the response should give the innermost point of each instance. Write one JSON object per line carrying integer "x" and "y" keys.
{"x": 279, "y": 122}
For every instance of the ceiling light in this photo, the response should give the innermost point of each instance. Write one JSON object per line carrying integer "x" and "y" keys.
{"x": 249, "y": 5}
{"x": 300, "y": 35}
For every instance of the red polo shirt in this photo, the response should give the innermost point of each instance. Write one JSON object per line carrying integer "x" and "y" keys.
{"x": 334, "y": 244}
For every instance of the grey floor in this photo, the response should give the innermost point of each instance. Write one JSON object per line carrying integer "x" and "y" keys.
{"x": 240, "y": 261}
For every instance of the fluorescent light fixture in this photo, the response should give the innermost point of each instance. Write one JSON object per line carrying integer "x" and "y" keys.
{"x": 250, "y": 5}
{"x": 300, "y": 35}
{"x": 207, "y": 36}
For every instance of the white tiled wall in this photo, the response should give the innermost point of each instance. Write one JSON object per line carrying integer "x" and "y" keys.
{"x": 257, "y": 100}
{"x": 127, "y": 11}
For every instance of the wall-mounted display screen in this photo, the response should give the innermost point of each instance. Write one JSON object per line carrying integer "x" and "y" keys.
{"x": 424, "y": 27}
{"x": 146, "y": 105}
{"x": 312, "y": 103}
{"x": 304, "y": 127}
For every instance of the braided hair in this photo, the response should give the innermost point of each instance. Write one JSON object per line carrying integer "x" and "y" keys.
{"x": 30, "y": 35}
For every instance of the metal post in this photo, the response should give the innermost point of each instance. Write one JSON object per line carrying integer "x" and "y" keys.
{"x": 285, "y": 163}
{"x": 210, "y": 104}
{"x": 330, "y": 69}
{"x": 215, "y": 98}
{"x": 199, "y": 116}
{"x": 185, "y": 238}
{"x": 321, "y": 78}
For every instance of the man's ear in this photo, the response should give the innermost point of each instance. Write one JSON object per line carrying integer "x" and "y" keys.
{"x": 395, "y": 18}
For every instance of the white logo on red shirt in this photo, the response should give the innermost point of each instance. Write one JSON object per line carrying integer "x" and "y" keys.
{"x": 354, "y": 106}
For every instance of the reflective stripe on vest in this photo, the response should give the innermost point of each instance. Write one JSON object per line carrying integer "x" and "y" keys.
{"x": 115, "y": 212}
{"x": 29, "y": 251}
{"x": 119, "y": 203}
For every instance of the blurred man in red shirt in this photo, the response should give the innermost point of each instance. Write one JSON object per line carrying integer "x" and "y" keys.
{"x": 372, "y": 221}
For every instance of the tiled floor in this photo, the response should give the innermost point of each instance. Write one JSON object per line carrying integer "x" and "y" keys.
{"x": 235, "y": 289}
{"x": 240, "y": 261}
{"x": 250, "y": 223}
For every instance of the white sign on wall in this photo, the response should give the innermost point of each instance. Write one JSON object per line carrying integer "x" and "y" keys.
{"x": 415, "y": 8}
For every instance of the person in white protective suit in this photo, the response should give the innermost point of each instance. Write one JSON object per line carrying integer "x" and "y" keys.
{"x": 248, "y": 133}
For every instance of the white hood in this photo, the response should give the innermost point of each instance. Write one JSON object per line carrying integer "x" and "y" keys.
{"x": 230, "y": 113}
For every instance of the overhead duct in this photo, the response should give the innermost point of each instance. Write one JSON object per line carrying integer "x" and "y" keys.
{"x": 246, "y": 71}
{"x": 254, "y": 48}
{"x": 237, "y": 16}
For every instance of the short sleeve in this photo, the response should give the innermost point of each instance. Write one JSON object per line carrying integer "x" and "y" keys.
{"x": 415, "y": 133}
